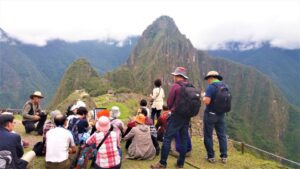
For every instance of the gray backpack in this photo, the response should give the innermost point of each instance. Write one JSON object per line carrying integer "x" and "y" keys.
{"x": 5, "y": 159}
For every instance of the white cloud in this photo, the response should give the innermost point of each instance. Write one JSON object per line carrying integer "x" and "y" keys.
{"x": 206, "y": 23}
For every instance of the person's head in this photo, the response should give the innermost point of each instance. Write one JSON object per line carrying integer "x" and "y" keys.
{"x": 143, "y": 103}
{"x": 7, "y": 121}
{"x": 157, "y": 83}
{"x": 53, "y": 114}
{"x": 104, "y": 112}
{"x": 213, "y": 75}
{"x": 82, "y": 111}
{"x": 36, "y": 97}
{"x": 115, "y": 112}
{"x": 140, "y": 119}
{"x": 144, "y": 111}
{"x": 77, "y": 105}
{"x": 165, "y": 108}
{"x": 179, "y": 74}
{"x": 69, "y": 111}
{"x": 60, "y": 120}
{"x": 103, "y": 124}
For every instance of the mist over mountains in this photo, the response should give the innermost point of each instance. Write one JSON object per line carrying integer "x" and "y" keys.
{"x": 162, "y": 47}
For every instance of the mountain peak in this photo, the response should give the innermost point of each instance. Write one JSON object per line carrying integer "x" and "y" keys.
{"x": 163, "y": 24}
{"x": 80, "y": 75}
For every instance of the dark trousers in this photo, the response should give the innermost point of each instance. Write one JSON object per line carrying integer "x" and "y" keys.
{"x": 62, "y": 165}
{"x": 175, "y": 125}
{"x": 155, "y": 112}
{"x": 116, "y": 167}
{"x": 156, "y": 144}
{"x": 30, "y": 125}
{"x": 216, "y": 121}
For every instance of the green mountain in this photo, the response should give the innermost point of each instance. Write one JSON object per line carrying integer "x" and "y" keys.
{"x": 261, "y": 116}
{"x": 281, "y": 65}
{"x": 25, "y": 68}
{"x": 19, "y": 76}
{"x": 80, "y": 75}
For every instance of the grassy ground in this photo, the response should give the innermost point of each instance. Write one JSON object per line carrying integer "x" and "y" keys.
{"x": 236, "y": 159}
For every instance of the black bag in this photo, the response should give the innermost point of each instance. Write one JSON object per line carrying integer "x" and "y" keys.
{"x": 222, "y": 100}
{"x": 38, "y": 148}
{"x": 189, "y": 101}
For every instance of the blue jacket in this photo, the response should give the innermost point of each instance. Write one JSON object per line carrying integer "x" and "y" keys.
{"x": 12, "y": 142}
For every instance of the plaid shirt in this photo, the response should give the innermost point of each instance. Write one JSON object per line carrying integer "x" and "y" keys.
{"x": 47, "y": 126}
{"x": 108, "y": 154}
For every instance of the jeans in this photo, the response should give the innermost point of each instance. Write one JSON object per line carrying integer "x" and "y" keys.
{"x": 153, "y": 112}
{"x": 30, "y": 125}
{"x": 175, "y": 125}
{"x": 211, "y": 121}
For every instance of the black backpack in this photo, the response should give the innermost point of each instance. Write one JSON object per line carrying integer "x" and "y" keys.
{"x": 188, "y": 102}
{"x": 222, "y": 100}
{"x": 73, "y": 127}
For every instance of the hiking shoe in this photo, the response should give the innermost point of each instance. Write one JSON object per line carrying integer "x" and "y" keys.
{"x": 224, "y": 160}
{"x": 158, "y": 166}
{"x": 179, "y": 167}
{"x": 211, "y": 160}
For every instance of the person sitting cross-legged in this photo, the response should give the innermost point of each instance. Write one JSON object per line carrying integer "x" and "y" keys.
{"x": 59, "y": 144}
{"x": 108, "y": 156}
{"x": 141, "y": 147}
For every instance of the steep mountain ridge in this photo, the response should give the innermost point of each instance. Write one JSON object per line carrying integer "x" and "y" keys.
{"x": 260, "y": 114}
{"x": 279, "y": 64}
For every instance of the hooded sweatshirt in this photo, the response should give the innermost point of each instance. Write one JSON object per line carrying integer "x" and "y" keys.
{"x": 141, "y": 147}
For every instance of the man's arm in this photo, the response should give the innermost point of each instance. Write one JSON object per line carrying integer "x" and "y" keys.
{"x": 208, "y": 95}
{"x": 19, "y": 147}
{"x": 72, "y": 148}
{"x": 172, "y": 96}
{"x": 206, "y": 100}
{"x": 26, "y": 114}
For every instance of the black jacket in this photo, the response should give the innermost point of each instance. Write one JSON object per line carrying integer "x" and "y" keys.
{"x": 12, "y": 142}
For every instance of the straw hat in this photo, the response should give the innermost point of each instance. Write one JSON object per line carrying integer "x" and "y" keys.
{"x": 37, "y": 94}
{"x": 213, "y": 74}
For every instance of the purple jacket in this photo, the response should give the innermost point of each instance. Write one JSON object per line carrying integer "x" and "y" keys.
{"x": 174, "y": 95}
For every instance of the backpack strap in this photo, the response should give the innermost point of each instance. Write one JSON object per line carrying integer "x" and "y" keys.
{"x": 105, "y": 137}
{"x": 100, "y": 144}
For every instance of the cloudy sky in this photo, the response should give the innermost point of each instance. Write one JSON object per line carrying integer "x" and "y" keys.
{"x": 207, "y": 23}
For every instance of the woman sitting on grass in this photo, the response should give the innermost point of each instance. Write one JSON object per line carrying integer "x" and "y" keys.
{"x": 141, "y": 147}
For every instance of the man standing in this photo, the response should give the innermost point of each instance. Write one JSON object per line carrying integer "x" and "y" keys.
{"x": 32, "y": 113}
{"x": 217, "y": 99}
{"x": 176, "y": 122}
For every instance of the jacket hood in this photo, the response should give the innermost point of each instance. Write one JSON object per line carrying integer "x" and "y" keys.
{"x": 143, "y": 128}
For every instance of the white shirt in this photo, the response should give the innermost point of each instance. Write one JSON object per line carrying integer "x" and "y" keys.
{"x": 158, "y": 95}
{"x": 59, "y": 140}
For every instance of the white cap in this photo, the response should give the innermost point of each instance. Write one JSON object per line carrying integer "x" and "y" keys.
{"x": 78, "y": 104}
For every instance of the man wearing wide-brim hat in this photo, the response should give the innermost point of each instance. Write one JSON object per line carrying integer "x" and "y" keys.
{"x": 176, "y": 123}
{"x": 214, "y": 117}
{"x": 32, "y": 114}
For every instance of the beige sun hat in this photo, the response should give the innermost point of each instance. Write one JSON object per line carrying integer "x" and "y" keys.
{"x": 37, "y": 94}
{"x": 214, "y": 74}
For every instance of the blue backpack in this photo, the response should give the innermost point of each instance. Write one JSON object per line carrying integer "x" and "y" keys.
{"x": 73, "y": 127}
